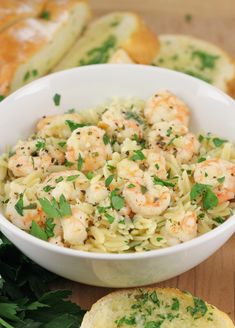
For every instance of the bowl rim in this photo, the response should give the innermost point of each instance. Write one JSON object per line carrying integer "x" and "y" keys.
{"x": 185, "y": 246}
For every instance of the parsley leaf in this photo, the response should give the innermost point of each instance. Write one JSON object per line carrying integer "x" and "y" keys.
{"x": 1, "y": 98}
{"x": 49, "y": 227}
{"x": 209, "y": 198}
{"x": 109, "y": 217}
{"x": 80, "y": 162}
{"x": 207, "y": 60}
{"x": 55, "y": 210}
{"x": 199, "y": 309}
{"x": 218, "y": 142}
{"x": 48, "y": 188}
{"x": 73, "y": 125}
{"x": 89, "y": 175}
{"x": 175, "y": 305}
{"x": 138, "y": 155}
{"x": 221, "y": 180}
{"x": 134, "y": 116}
{"x": 37, "y": 231}
{"x": 166, "y": 183}
{"x": 106, "y": 139}
{"x": 19, "y": 206}
{"x": 45, "y": 15}
{"x": 117, "y": 201}
{"x": 72, "y": 177}
{"x": 109, "y": 180}
{"x": 57, "y": 99}
{"x": 40, "y": 144}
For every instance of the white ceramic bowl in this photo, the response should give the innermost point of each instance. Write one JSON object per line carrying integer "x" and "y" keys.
{"x": 88, "y": 86}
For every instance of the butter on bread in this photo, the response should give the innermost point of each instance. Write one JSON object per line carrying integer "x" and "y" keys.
{"x": 154, "y": 308}
{"x": 31, "y": 47}
{"x": 12, "y": 11}
{"x": 198, "y": 58}
{"x": 104, "y": 36}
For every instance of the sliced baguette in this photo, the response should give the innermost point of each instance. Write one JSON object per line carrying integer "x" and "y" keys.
{"x": 154, "y": 308}
{"x": 198, "y": 58}
{"x": 108, "y": 34}
{"x": 31, "y": 47}
{"x": 12, "y": 11}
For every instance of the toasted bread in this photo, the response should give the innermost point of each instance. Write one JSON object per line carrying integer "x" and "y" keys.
{"x": 12, "y": 11}
{"x": 198, "y": 58}
{"x": 108, "y": 34}
{"x": 154, "y": 308}
{"x": 31, "y": 47}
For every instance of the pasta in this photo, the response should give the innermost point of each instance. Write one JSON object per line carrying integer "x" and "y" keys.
{"x": 127, "y": 176}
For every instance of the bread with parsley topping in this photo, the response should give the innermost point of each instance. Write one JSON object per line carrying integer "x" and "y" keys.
{"x": 154, "y": 308}
{"x": 197, "y": 58}
{"x": 106, "y": 35}
{"x": 31, "y": 47}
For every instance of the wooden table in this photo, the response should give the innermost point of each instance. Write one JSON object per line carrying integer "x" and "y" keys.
{"x": 214, "y": 279}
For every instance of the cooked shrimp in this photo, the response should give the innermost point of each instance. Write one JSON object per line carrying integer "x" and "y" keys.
{"x": 145, "y": 198}
{"x": 165, "y": 106}
{"x": 163, "y": 132}
{"x": 55, "y": 126}
{"x": 23, "y": 221}
{"x": 129, "y": 170}
{"x": 218, "y": 173}
{"x": 72, "y": 184}
{"x": 87, "y": 144}
{"x": 75, "y": 227}
{"x": 155, "y": 163}
{"x": 181, "y": 230}
{"x": 96, "y": 192}
{"x": 187, "y": 146}
{"x": 121, "y": 125}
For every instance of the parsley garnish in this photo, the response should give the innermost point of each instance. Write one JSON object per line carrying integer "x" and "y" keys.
{"x": 131, "y": 185}
{"x": 143, "y": 189}
{"x": 55, "y": 209}
{"x": 37, "y": 231}
{"x": 68, "y": 164}
{"x": 138, "y": 155}
{"x": 209, "y": 198}
{"x": 45, "y": 15}
{"x": 117, "y": 201}
{"x": 207, "y": 60}
{"x": 19, "y": 206}
{"x": 134, "y": 116}
{"x": 109, "y": 180}
{"x": 158, "y": 181}
{"x": 72, "y": 177}
{"x": 40, "y": 144}
{"x": 218, "y": 142}
{"x": 109, "y": 217}
{"x": 1, "y": 98}
{"x": 57, "y": 99}
{"x": 62, "y": 144}
{"x": 221, "y": 180}
{"x": 74, "y": 126}
{"x": 111, "y": 167}
{"x": 154, "y": 298}
{"x": 80, "y": 162}
{"x": 59, "y": 179}
{"x": 175, "y": 305}
{"x": 127, "y": 321}
{"x": 106, "y": 139}
{"x": 89, "y": 175}
{"x": 26, "y": 76}
{"x": 49, "y": 227}
{"x": 199, "y": 309}
{"x": 201, "y": 159}
{"x": 219, "y": 220}
{"x": 48, "y": 188}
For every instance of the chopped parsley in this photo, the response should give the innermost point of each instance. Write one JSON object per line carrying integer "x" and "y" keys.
{"x": 117, "y": 201}
{"x": 126, "y": 321}
{"x": 131, "y": 185}
{"x": 111, "y": 167}
{"x": 57, "y": 99}
{"x": 72, "y": 177}
{"x": 70, "y": 111}
{"x": 62, "y": 144}
{"x": 134, "y": 116}
{"x": 166, "y": 183}
{"x": 19, "y": 206}
{"x": 219, "y": 220}
{"x": 45, "y": 15}
{"x": 199, "y": 309}
{"x": 138, "y": 155}
{"x": 218, "y": 142}
{"x": 109, "y": 180}
{"x": 41, "y": 144}
{"x": 201, "y": 159}
{"x": 80, "y": 162}
{"x": 74, "y": 125}
{"x": 221, "y": 180}
{"x": 55, "y": 209}
{"x": 59, "y": 179}
{"x": 207, "y": 60}
{"x": 37, "y": 231}
{"x": 1, "y": 98}
{"x": 154, "y": 298}
{"x": 68, "y": 163}
{"x": 109, "y": 217}
{"x": 209, "y": 198}
{"x": 106, "y": 139}
{"x": 90, "y": 175}
{"x": 34, "y": 72}
{"x": 26, "y": 76}
{"x": 49, "y": 227}
{"x": 48, "y": 188}
{"x": 175, "y": 305}
{"x": 143, "y": 189}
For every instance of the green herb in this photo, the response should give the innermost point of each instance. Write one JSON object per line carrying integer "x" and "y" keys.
{"x": 37, "y": 231}
{"x": 134, "y": 116}
{"x": 199, "y": 309}
{"x": 117, "y": 201}
{"x": 157, "y": 166}
{"x": 175, "y": 305}
{"x": 25, "y": 298}
{"x": 26, "y": 76}
{"x": 201, "y": 138}
{"x": 48, "y": 188}
{"x": 131, "y": 185}
{"x": 197, "y": 75}
{"x": 19, "y": 206}
{"x": 34, "y": 72}
{"x": 100, "y": 54}
{"x": 126, "y": 321}
{"x": 143, "y": 189}
{"x": 62, "y": 144}
{"x": 153, "y": 324}
{"x": 101, "y": 209}
{"x": 106, "y": 139}
{"x": 58, "y": 180}
{"x": 1, "y": 98}
{"x": 45, "y": 15}
{"x": 80, "y": 162}
{"x": 90, "y": 175}
{"x": 159, "y": 238}
{"x": 219, "y": 220}
{"x": 111, "y": 167}
{"x": 138, "y": 155}
{"x": 70, "y": 111}
{"x": 221, "y": 180}
{"x": 109, "y": 180}
{"x": 49, "y": 227}
{"x": 115, "y": 23}
{"x": 72, "y": 177}
{"x": 31, "y": 206}
{"x": 109, "y": 217}
{"x": 207, "y": 60}
{"x": 218, "y": 142}
{"x": 40, "y": 144}
{"x": 154, "y": 298}
{"x": 73, "y": 125}
{"x": 158, "y": 181}
{"x": 188, "y": 18}
{"x": 169, "y": 131}
{"x": 55, "y": 209}
{"x": 201, "y": 159}
{"x": 68, "y": 164}
{"x": 57, "y": 99}
{"x": 209, "y": 198}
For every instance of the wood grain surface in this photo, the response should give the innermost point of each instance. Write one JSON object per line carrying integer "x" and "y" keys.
{"x": 214, "y": 20}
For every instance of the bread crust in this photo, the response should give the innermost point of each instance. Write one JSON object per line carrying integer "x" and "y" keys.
{"x": 143, "y": 45}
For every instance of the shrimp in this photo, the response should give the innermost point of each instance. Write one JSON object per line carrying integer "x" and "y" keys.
{"x": 121, "y": 125}
{"x": 87, "y": 145}
{"x": 163, "y": 132}
{"x": 56, "y": 126}
{"x": 75, "y": 227}
{"x": 165, "y": 106}
{"x": 187, "y": 146}
{"x": 72, "y": 184}
{"x": 96, "y": 192}
{"x": 181, "y": 230}
{"x": 23, "y": 221}
{"x": 218, "y": 173}
{"x": 129, "y": 170}
{"x": 145, "y": 198}
{"x": 155, "y": 162}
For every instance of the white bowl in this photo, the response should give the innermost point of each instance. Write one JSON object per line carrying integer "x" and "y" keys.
{"x": 88, "y": 86}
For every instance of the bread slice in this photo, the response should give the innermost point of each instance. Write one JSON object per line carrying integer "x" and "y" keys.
{"x": 31, "y": 47}
{"x": 12, "y": 11}
{"x": 198, "y": 58}
{"x": 154, "y": 308}
{"x": 108, "y": 34}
